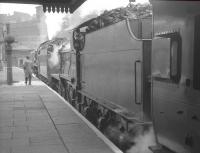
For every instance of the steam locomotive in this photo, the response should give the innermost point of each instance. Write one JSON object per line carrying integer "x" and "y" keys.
{"x": 101, "y": 69}
{"x": 127, "y": 74}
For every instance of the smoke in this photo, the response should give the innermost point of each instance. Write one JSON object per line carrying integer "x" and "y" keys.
{"x": 58, "y": 22}
{"x": 136, "y": 140}
{"x": 54, "y": 57}
{"x": 142, "y": 142}
{"x": 54, "y": 23}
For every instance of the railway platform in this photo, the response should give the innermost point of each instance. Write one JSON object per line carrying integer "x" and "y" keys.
{"x": 35, "y": 119}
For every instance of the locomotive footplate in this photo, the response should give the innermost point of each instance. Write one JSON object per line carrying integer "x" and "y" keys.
{"x": 65, "y": 77}
{"x": 160, "y": 149}
{"x": 55, "y": 76}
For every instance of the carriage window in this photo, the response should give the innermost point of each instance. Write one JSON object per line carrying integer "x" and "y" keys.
{"x": 161, "y": 58}
{"x": 167, "y": 57}
{"x": 175, "y": 66}
{"x": 50, "y": 49}
{"x": 174, "y": 49}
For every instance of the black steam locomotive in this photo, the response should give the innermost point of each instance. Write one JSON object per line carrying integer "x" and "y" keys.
{"x": 102, "y": 70}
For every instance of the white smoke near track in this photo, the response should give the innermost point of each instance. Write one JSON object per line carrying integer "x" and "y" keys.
{"x": 142, "y": 142}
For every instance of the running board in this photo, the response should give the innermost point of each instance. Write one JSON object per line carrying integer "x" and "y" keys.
{"x": 160, "y": 149}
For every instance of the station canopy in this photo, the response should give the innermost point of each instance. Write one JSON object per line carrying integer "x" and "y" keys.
{"x": 51, "y": 5}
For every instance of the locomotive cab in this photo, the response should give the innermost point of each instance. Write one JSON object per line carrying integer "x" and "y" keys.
{"x": 68, "y": 72}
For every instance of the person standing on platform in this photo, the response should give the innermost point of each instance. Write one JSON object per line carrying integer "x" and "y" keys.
{"x": 28, "y": 70}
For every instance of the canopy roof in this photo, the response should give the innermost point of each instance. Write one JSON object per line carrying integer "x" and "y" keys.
{"x": 51, "y": 5}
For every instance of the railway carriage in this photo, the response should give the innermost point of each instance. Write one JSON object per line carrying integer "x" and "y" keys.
{"x": 176, "y": 75}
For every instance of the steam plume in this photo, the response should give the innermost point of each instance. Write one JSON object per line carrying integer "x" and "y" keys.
{"x": 54, "y": 59}
{"x": 142, "y": 142}
{"x": 54, "y": 23}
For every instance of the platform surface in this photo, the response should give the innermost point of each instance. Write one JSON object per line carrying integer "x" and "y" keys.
{"x": 34, "y": 119}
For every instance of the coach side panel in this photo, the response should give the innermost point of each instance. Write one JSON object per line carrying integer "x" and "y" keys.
{"x": 175, "y": 100}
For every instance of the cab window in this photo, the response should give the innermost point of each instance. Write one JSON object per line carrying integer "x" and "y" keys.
{"x": 166, "y": 55}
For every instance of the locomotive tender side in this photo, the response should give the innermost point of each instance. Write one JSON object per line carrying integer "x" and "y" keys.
{"x": 113, "y": 69}
{"x": 107, "y": 67}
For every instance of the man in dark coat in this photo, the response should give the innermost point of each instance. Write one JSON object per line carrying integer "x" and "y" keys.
{"x": 28, "y": 70}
